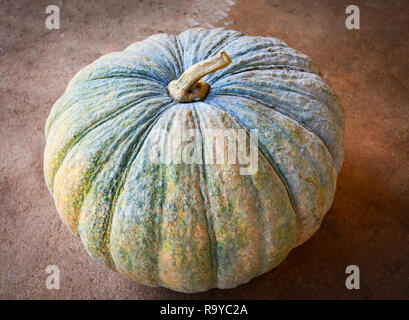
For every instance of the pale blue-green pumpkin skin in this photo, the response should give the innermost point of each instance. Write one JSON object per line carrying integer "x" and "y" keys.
{"x": 194, "y": 227}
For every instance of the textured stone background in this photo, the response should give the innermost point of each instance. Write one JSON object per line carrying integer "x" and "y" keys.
{"x": 368, "y": 224}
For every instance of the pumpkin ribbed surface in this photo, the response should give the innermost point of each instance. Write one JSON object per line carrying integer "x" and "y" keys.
{"x": 191, "y": 227}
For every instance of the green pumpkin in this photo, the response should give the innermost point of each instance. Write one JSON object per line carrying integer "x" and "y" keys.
{"x": 191, "y": 227}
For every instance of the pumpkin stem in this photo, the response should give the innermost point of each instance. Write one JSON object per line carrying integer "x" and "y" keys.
{"x": 188, "y": 87}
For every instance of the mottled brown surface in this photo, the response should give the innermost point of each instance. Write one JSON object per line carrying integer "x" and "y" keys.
{"x": 368, "y": 68}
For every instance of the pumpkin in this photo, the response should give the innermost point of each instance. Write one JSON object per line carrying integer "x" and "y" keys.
{"x": 194, "y": 226}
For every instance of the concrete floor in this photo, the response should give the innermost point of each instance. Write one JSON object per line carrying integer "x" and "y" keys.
{"x": 368, "y": 224}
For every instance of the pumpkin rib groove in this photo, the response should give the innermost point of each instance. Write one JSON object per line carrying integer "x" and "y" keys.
{"x": 119, "y": 76}
{"x": 204, "y": 43}
{"x": 283, "y": 87}
{"x": 260, "y": 216}
{"x": 193, "y": 49}
{"x": 302, "y": 81}
{"x": 167, "y": 56}
{"x": 266, "y": 43}
{"x": 157, "y": 198}
{"x": 181, "y": 52}
{"x": 324, "y": 181}
{"x": 109, "y": 213}
{"x": 77, "y": 139}
{"x": 178, "y": 55}
{"x": 111, "y": 66}
{"x": 189, "y": 272}
{"x": 114, "y": 69}
{"x": 131, "y": 268}
{"x": 162, "y": 42}
{"x": 71, "y": 100}
{"x": 263, "y": 68}
{"x": 246, "y": 277}
{"x": 106, "y": 156}
{"x": 66, "y": 106}
{"x": 189, "y": 42}
{"x": 83, "y": 133}
{"x": 100, "y": 106}
{"x": 119, "y": 184}
{"x": 159, "y": 280}
{"x": 301, "y": 123}
{"x": 122, "y": 76}
{"x": 131, "y": 141}
{"x": 265, "y": 61}
{"x": 247, "y": 60}
{"x": 111, "y": 143}
{"x": 273, "y": 107}
{"x": 289, "y": 116}
{"x": 250, "y": 183}
{"x": 274, "y": 165}
{"x": 210, "y": 220}
{"x": 145, "y": 66}
{"x": 279, "y": 131}
{"x": 157, "y": 268}
{"x": 210, "y": 231}
{"x": 286, "y": 89}
{"x": 165, "y": 52}
{"x": 317, "y": 91}
{"x": 164, "y": 64}
{"x": 223, "y": 41}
